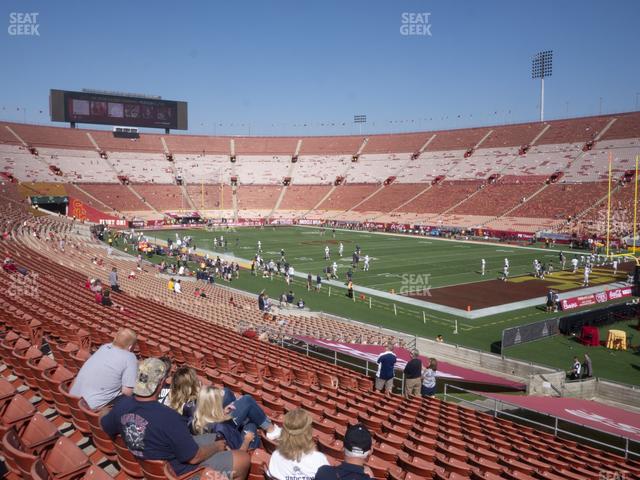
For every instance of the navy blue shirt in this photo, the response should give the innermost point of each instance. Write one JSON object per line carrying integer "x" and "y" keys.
{"x": 152, "y": 431}
{"x": 344, "y": 471}
{"x": 386, "y": 361}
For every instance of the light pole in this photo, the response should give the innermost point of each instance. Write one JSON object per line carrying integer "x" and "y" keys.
{"x": 541, "y": 67}
{"x": 360, "y": 119}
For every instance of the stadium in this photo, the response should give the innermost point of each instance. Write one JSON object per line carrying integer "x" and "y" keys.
{"x": 447, "y": 296}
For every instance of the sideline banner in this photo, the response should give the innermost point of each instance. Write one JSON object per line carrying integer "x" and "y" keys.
{"x": 593, "y": 298}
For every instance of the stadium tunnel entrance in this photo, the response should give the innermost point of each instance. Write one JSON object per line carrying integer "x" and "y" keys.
{"x": 51, "y": 203}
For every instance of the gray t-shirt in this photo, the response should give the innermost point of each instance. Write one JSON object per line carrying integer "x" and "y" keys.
{"x": 103, "y": 375}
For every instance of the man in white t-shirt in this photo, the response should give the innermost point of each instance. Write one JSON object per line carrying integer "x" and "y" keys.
{"x": 111, "y": 371}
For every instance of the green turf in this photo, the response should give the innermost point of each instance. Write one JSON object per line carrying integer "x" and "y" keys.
{"x": 445, "y": 262}
{"x": 394, "y": 259}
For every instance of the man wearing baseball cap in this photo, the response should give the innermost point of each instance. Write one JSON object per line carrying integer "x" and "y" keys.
{"x": 357, "y": 449}
{"x": 153, "y": 431}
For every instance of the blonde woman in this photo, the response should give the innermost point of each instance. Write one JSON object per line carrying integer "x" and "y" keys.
{"x": 183, "y": 393}
{"x": 429, "y": 379}
{"x": 236, "y": 421}
{"x": 296, "y": 457}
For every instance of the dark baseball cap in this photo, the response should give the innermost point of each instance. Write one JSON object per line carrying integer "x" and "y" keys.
{"x": 357, "y": 439}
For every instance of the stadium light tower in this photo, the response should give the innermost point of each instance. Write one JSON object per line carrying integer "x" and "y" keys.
{"x": 541, "y": 67}
{"x": 360, "y": 119}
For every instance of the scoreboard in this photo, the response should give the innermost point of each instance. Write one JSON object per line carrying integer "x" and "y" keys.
{"x": 122, "y": 110}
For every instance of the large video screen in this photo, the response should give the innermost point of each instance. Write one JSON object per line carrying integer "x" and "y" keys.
{"x": 85, "y": 107}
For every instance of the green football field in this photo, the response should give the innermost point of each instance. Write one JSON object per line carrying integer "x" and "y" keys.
{"x": 394, "y": 260}
{"x": 445, "y": 262}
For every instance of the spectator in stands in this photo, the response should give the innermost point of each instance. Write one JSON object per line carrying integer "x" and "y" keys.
{"x": 576, "y": 369}
{"x": 358, "y": 446}
{"x": 171, "y": 285}
{"x": 587, "y": 367}
{"x": 301, "y": 304}
{"x": 96, "y": 286}
{"x": 235, "y": 420}
{"x": 153, "y": 431}
{"x": 429, "y": 379}
{"x": 439, "y": 339}
{"x": 290, "y": 297}
{"x": 111, "y": 371}
{"x": 105, "y": 298}
{"x": 296, "y": 457}
{"x": 261, "y": 302}
{"x": 183, "y": 393}
{"x": 413, "y": 375}
{"x": 267, "y": 303}
{"x": 177, "y": 287}
{"x": 9, "y": 266}
{"x": 386, "y": 363}
{"x": 250, "y": 333}
{"x": 113, "y": 280}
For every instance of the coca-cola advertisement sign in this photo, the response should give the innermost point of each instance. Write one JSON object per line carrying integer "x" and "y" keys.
{"x": 619, "y": 293}
{"x": 591, "y": 299}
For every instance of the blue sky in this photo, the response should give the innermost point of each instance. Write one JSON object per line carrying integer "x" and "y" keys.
{"x": 306, "y": 67}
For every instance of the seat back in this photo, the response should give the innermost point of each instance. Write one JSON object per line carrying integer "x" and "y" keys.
{"x": 18, "y": 459}
{"x": 65, "y": 460}
{"x": 19, "y": 345}
{"x": 127, "y": 461}
{"x": 39, "y": 433}
{"x": 96, "y": 473}
{"x": 78, "y": 358}
{"x": 35, "y": 367}
{"x": 7, "y": 343}
{"x": 77, "y": 417}
{"x": 202, "y": 473}
{"x": 22, "y": 356}
{"x": 101, "y": 440}
{"x": 39, "y": 471}
{"x": 53, "y": 377}
{"x": 153, "y": 469}
{"x": 18, "y": 411}
{"x": 7, "y": 391}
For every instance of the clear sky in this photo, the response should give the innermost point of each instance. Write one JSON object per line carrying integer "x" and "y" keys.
{"x": 274, "y": 67}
